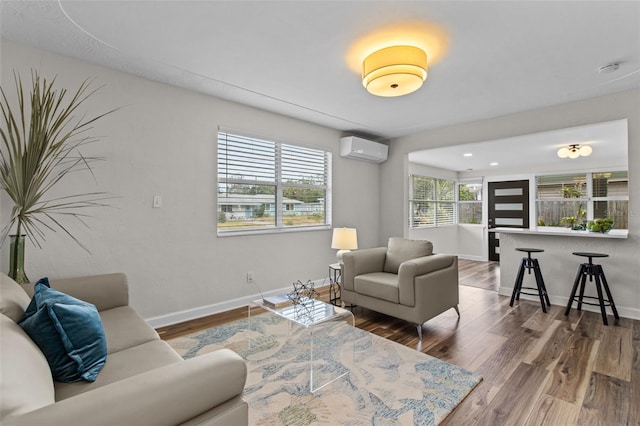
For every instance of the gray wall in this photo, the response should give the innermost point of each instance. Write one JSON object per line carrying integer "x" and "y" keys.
{"x": 624, "y": 265}
{"x": 163, "y": 142}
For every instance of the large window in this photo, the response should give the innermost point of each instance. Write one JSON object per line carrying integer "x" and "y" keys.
{"x": 266, "y": 185}
{"x": 571, "y": 200}
{"x": 432, "y": 201}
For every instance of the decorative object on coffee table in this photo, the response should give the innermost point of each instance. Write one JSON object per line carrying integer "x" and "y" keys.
{"x": 37, "y": 156}
{"x": 302, "y": 291}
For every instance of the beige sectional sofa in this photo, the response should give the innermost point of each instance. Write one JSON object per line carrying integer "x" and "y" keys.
{"x": 404, "y": 280}
{"x": 144, "y": 381}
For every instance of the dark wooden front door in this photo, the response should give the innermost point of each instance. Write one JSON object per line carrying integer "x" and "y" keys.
{"x": 508, "y": 208}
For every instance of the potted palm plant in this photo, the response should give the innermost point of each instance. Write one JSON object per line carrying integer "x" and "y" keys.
{"x": 41, "y": 139}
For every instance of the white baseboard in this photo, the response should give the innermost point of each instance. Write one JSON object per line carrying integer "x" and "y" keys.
{"x": 203, "y": 311}
{"x": 625, "y": 312}
{"x": 470, "y": 257}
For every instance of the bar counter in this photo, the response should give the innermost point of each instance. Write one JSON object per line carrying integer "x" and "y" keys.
{"x": 563, "y": 232}
{"x": 559, "y": 266}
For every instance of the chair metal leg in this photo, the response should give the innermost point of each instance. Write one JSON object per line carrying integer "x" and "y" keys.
{"x": 583, "y": 282}
{"x": 601, "y": 300}
{"x": 606, "y": 288}
{"x": 544, "y": 287}
{"x": 420, "y": 332}
{"x": 540, "y": 284}
{"x": 573, "y": 290}
{"x": 518, "y": 284}
{"x": 457, "y": 310}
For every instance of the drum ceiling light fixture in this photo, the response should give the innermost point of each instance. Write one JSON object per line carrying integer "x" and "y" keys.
{"x": 575, "y": 151}
{"x": 394, "y": 71}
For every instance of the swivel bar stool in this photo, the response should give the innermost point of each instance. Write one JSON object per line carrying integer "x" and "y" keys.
{"x": 592, "y": 270}
{"x": 530, "y": 263}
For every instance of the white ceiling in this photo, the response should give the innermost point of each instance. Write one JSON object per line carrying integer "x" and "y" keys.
{"x": 534, "y": 153}
{"x": 301, "y": 58}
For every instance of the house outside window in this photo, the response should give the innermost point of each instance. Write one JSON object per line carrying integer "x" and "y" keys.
{"x": 572, "y": 200}
{"x": 470, "y": 202}
{"x": 432, "y": 201}
{"x": 270, "y": 186}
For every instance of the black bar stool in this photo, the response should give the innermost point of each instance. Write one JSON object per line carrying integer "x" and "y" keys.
{"x": 530, "y": 263}
{"x": 592, "y": 271}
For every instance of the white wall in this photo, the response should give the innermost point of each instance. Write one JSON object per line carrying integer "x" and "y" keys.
{"x": 626, "y": 285}
{"x": 163, "y": 141}
{"x": 472, "y": 242}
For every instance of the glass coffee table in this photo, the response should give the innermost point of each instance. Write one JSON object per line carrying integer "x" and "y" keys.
{"x": 313, "y": 316}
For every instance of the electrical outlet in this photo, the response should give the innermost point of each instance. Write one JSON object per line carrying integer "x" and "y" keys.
{"x": 250, "y": 277}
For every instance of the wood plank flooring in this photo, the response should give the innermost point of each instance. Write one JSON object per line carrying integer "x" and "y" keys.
{"x": 538, "y": 369}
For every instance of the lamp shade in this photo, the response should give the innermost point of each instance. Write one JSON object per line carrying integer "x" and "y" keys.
{"x": 394, "y": 71}
{"x": 344, "y": 239}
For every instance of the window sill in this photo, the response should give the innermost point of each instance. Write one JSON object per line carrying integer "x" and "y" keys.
{"x": 245, "y": 232}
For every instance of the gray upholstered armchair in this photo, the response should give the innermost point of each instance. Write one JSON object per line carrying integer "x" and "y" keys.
{"x": 404, "y": 280}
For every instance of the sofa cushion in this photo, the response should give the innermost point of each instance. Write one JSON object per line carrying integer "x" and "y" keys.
{"x": 125, "y": 328}
{"x": 381, "y": 285}
{"x": 123, "y": 364}
{"x": 26, "y": 379}
{"x": 13, "y": 299}
{"x": 68, "y": 331}
{"x": 401, "y": 249}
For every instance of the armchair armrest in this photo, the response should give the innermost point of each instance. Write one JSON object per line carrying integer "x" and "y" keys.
{"x": 165, "y": 396}
{"x": 362, "y": 262}
{"x": 424, "y": 265}
{"x": 413, "y": 268}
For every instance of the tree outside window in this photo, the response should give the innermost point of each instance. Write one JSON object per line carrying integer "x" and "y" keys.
{"x": 470, "y": 202}
{"x": 432, "y": 201}
{"x": 572, "y": 200}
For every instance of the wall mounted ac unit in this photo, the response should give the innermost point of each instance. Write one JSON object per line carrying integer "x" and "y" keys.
{"x": 362, "y": 149}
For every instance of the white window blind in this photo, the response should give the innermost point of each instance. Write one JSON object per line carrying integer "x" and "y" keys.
{"x": 432, "y": 201}
{"x": 271, "y": 185}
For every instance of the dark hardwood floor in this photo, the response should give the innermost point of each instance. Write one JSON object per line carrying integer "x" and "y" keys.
{"x": 537, "y": 369}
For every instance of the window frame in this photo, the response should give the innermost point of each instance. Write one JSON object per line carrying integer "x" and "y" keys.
{"x": 279, "y": 202}
{"x": 465, "y": 182}
{"x": 588, "y": 200}
{"x": 436, "y": 201}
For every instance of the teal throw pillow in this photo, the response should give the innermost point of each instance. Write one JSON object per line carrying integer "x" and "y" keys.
{"x": 69, "y": 333}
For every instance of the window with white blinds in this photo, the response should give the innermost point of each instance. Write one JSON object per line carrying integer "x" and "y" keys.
{"x": 432, "y": 201}
{"x": 267, "y": 185}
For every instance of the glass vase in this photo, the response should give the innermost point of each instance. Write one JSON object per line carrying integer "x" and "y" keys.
{"x": 16, "y": 260}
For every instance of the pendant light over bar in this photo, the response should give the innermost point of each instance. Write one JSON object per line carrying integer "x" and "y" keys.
{"x": 394, "y": 71}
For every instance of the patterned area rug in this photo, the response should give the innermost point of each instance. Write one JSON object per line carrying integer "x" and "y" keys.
{"x": 385, "y": 383}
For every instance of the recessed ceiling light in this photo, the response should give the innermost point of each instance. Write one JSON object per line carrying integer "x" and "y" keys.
{"x": 494, "y": 164}
{"x": 467, "y": 154}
